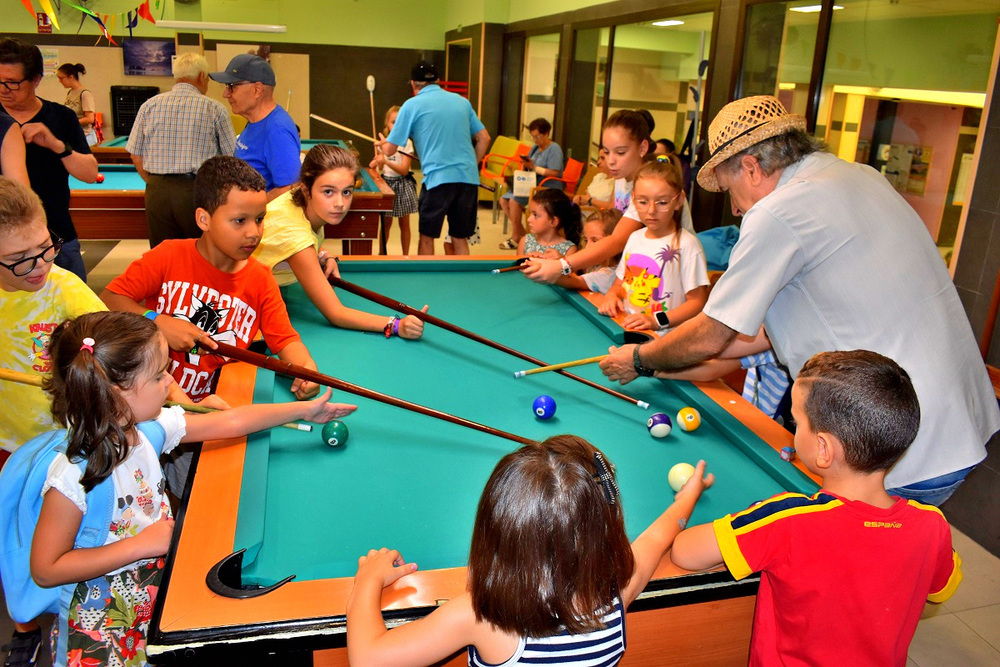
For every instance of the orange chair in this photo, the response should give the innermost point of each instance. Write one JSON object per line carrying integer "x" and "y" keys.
{"x": 570, "y": 176}
{"x": 496, "y": 168}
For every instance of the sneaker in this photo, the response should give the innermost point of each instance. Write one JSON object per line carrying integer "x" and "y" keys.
{"x": 509, "y": 244}
{"x": 23, "y": 649}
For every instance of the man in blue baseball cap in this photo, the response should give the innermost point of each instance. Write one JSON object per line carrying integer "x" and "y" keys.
{"x": 270, "y": 141}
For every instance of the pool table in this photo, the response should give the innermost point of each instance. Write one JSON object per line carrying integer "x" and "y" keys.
{"x": 113, "y": 151}
{"x": 116, "y": 209}
{"x": 408, "y": 481}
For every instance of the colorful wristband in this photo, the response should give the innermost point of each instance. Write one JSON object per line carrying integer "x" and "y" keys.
{"x": 150, "y": 314}
{"x": 391, "y": 327}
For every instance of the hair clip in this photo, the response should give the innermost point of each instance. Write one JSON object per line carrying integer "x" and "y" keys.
{"x": 88, "y": 344}
{"x": 606, "y": 477}
{"x": 663, "y": 158}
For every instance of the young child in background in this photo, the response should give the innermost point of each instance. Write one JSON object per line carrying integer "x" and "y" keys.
{"x": 35, "y": 296}
{"x": 662, "y": 279}
{"x": 109, "y": 374}
{"x": 200, "y": 290}
{"x": 598, "y": 278}
{"x": 524, "y": 603}
{"x": 396, "y": 172}
{"x": 290, "y": 245}
{"x": 850, "y": 557}
{"x": 626, "y": 143}
{"x": 601, "y": 190}
{"x": 553, "y": 225}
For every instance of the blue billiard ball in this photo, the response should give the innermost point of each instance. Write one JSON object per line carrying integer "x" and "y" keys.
{"x": 335, "y": 433}
{"x": 659, "y": 425}
{"x": 544, "y": 407}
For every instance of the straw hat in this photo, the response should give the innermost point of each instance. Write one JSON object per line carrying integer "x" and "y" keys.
{"x": 740, "y": 125}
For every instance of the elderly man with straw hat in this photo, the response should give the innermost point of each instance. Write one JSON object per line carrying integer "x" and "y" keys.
{"x": 830, "y": 257}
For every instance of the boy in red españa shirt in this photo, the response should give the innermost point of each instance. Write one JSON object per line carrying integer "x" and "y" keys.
{"x": 845, "y": 572}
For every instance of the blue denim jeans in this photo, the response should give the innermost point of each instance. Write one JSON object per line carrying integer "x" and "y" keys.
{"x": 933, "y": 491}
{"x": 71, "y": 259}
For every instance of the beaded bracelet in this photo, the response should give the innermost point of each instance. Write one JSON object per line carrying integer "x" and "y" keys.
{"x": 391, "y": 327}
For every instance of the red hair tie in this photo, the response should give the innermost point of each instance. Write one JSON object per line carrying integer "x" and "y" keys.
{"x": 88, "y": 344}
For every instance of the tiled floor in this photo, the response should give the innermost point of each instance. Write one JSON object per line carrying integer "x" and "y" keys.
{"x": 964, "y": 631}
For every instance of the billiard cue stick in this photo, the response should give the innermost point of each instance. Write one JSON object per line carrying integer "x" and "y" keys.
{"x": 309, "y": 375}
{"x": 518, "y": 263}
{"x": 448, "y": 326}
{"x": 370, "y": 85}
{"x": 36, "y": 381}
{"x": 358, "y": 134}
{"x": 557, "y": 367}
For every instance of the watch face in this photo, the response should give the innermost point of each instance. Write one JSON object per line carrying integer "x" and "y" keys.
{"x": 662, "y": 319}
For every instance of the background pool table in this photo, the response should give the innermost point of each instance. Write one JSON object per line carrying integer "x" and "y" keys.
{"x": 113, "y": 151}
{"x": 411, "y": 482}
{"x": 116, "y": 209}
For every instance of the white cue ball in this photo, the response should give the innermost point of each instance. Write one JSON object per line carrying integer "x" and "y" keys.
{"x": 679, "y": 475}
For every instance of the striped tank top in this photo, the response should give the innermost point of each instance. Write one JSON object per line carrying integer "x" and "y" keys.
{"x": 601, "y": 648}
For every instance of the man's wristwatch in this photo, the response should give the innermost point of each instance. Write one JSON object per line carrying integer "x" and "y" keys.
{"x": 566, "y": 268}
{"x": 640, "y": 370}
{"x": 68, "y": 151}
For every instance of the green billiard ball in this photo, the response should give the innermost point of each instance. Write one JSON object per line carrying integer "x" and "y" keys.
{"x": 335, "y": 433}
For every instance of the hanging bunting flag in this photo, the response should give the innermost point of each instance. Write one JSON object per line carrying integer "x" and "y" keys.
{"x": 143, "y": 11}
{"x": 96, "y": 18}
{"x": 27, "y": 5}
{"x": 132, "y": 21}
{"x": 47, "y": 8}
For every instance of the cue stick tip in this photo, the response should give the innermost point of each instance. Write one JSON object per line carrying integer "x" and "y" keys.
{"x": 642, "y": 404}
{"x": 519, "y": 374}
{"x": 495, "y": 271}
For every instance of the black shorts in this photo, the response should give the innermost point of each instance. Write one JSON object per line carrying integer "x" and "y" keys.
{"x": 459, "y": 201}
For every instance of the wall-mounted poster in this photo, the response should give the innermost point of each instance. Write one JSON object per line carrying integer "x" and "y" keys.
{"x": 147, "y": 57}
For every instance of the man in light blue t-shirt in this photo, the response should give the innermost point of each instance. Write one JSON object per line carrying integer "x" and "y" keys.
{"x": 270, "y": 141}
{"x": 450, "y": 141}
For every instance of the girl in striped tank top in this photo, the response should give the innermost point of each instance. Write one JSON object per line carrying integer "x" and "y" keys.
{"x": 551, "y": 570}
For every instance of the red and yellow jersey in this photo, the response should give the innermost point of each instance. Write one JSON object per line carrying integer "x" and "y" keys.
{"x": 842, "y": 582}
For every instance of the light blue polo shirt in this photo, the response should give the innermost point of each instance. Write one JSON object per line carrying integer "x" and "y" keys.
{"x": 441, "y": 125}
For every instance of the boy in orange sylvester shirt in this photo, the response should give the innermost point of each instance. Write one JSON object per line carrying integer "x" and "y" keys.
{"x": 209, "y": 289}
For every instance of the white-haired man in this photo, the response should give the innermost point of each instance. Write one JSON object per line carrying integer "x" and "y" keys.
{"x": 830, "y": 257}
{"x": 173, "y": 134}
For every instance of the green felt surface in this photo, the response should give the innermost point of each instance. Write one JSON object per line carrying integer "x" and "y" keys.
{"x": 125, "y": 177}
{"x": 116, "y": 177}
{"x": 411, "y": 482}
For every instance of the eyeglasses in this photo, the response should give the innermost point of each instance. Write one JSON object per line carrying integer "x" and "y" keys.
{"x": 660, "y": 204}
{"x": 231, "y": 86}
{"x": 23, "y": 267}
{"x": 13, "y": 85}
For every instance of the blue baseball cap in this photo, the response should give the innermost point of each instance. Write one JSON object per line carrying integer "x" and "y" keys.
{"x": 246, "y": 67}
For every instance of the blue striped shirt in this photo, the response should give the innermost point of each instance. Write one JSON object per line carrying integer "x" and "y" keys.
{"x": 766, "y": 382}
{"x": 601, "y": 648}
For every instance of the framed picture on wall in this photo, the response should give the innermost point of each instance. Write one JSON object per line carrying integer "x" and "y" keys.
{"x": 148, "y": 57}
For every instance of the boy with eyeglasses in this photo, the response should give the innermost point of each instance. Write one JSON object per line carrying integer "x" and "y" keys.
{"x": 55, "y": 146}
{"x": 35, "y": 297}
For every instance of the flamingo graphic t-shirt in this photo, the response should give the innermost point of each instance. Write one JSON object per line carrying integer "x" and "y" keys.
{"x": 174, "y": 279}
{"x": 656, "y": 275}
